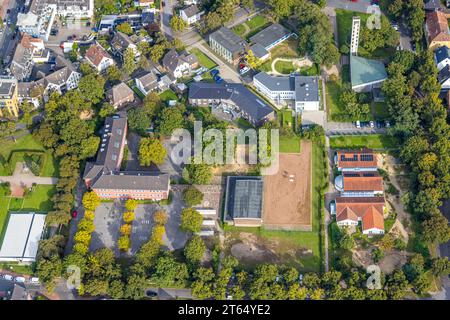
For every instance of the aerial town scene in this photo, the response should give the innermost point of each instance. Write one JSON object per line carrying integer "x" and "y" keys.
{"x": 224, "y": 150}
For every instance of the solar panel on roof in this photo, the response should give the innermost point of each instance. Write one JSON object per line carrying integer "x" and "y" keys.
{"x": 354, "y": 158}
{"x": 366, "y": 157}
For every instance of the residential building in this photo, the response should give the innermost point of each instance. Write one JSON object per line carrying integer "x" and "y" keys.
{"x": 29, "y": 51}
{"x": 147, "y": 83}
{"x": 233, "y": 98}
{"x": 191, "y": 14}
{"x": 302, "y": 90}
{"x": 359, "y": 184}
{"x": 271, "y": 36}
{"x": 356, "y": 160}
{"x": 99, "y": 58}
{"x": 38, "y": 21}
{"x": 228, "y": 45}
{"x": 444, "y": 78}
{"x": 104, "y": 176}
{"x": 121, "y": 42}
{"x": 442, "y": 57}
{"x": 244, "y": 201}
{"x": 77, "y": 9}
{"x": 366, "y": 74}
{"x": 349, "y": 211}
{"x": 259, "y": 52}
{"x": 120, "y": 95}
{"x": 436, "y": 30}
{"x": 179, "y": 65}
{"x": 9, "y": 100}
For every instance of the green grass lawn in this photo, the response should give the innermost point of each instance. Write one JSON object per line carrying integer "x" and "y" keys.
{"x": 334, "y": 105}
{"x": 309, "y": 71}
{"x": 287, "y": 120}
{"x": 257, "y": 22}
{"x": 344, "y": 24}
{"x": 27, "y": 143}
{"x": 239, "y": 30}
{"x": 203, "y": 59}
{"x": 290, "y": 144}
{"x": 374, "y": 141}
{"x": 168, "y": 95}
{"x": 284, "y": 67}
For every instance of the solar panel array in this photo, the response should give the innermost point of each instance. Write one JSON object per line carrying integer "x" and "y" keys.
{"x": 354, "y": 158}
{"x": 248, "y": 198}
{"x": 367, "y": 157}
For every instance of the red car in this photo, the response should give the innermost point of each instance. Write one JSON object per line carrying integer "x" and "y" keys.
{"x": 74, "y": 214}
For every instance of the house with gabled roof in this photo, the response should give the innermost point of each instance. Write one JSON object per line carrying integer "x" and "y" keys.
{"x": 147, "y": 83}
{"x": 120, "y": 95}
{"x": 442, "y": 57}
{"x": 191, "y": 14}
{"x": 360, "y": 183}
{"x": 356, "y": 160}
{"x": 436, "y": 30}
{"x": 179, "y": 65}
{"x": 121, "y": 42}
{"x": 99, "y": 58}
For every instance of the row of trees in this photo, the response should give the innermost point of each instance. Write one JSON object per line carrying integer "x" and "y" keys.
{"x": 124, "y": 242}
{"x": 412, "y": 11}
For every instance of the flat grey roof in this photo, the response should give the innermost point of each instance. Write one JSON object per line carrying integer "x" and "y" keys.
{"x": 244, "y": 197}
{"x": 133, "y": 180}
{"x": 229, "y": 39}
{"x": 270, "y": 35}
{"x": 258, "y": 50}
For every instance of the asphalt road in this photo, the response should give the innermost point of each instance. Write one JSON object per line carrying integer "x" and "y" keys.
{"x": 7, "y": 43}
{"x": 166, "y": 15}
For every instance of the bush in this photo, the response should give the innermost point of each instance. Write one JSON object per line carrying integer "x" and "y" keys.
{"x": 160, "y": 217}
{"x": 89, "y": 215}
{"x": 131, "y": 204}
{"x": 125, "y": 229}
{"x": 86, "y": 225}
{"x": 124, "y": 243}
{"x": 80, "y": 248}
{"x": 158, "y": 233}
{"x": 191, "y": 220}
{"x": 90, "y": 200}
{"x": 192, "y": 196}
{"x": 377, "y": 254}
{"x": 399, "y": 244}
{"x": 128, "y": 217}
{"x": 33, "y": 162}
{"x": 83, "y": 237}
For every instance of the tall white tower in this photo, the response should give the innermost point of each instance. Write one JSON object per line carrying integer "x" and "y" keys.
{"x": 356, "y": 24}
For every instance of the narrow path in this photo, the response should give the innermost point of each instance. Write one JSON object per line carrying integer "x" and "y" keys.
{"x": 296, "y": 62}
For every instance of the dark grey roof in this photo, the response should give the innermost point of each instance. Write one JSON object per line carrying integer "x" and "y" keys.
{"x": 244, "y": 197}
{"x": 269, "y": 35}
{"x": 133, "y": 180}
{"x": 191, "y": 11}
{"x": 442, "y": 53}
{"x": 111, "y": 141}
{"x": 306, "y": 87}
{"x": 242, "y": 97}
{"x": 119, "y": 92}
{"x": 433, "y": 5}
{"x": 147, "y": 17}
{"x": 7, "y": 86}
{"x": 149, "y": 81}
{"x": 229, "y": 40}
{"x": 444, "y": 74}
{"x": 121, "y": 41}
{"x": 172, "y": 59}
{"x": 258, "y": 50}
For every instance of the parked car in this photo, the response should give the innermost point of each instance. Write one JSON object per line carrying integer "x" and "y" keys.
{"x": 74, "y": 214}
{"x": 19, "y": 279}
{"x": 8, "y": 277}
{"x": 35, "y": 280}
{"x": 372, "y": 124}
{"x": 214, "y": 72}
{"x": 151, "y": 293}
{"x": 379, "y": 124}
{"x": 244, "y": 70}
{"x": 219, "y": 80}
{"x": 358, "y": 124}
{"x": 387, "y": 124}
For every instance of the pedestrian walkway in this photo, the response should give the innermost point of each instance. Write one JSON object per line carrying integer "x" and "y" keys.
{"x": 25, "y": 178}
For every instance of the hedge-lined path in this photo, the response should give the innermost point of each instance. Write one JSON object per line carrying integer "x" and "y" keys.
{"x": 26, "y": 179}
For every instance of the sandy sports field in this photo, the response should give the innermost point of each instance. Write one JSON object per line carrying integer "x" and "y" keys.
{"x": 287, "y": 194}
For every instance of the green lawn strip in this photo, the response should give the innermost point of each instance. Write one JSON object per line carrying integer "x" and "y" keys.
{"x": 284, "y": 67}
{"x": 374, "y": 141}
{"x": 4, "y": 204}
{"x": 239, "y": 29}
{"x": 286, "y": 118}
{"x": 168, "y": 95}
{"x": 257, "y": 22}
{"x": 290, "y": 144}
{"x": 335, "y": 107}
{"x": 15, "y": 204}
{"x": 17, "y": 268}
{"x": 344, "y": 24}
{"x": 203, "y": 59}
{"x": 137, "y": 91}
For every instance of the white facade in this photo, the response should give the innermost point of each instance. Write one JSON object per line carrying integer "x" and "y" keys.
{"x": 75, "y": 10}
{"x": 346, "y": 223}
{"x": 280, "y": 97}
{"x": 373, "y": 231}
{"x": 182, "y": 69}
{"x": 190, "y": 20}
{"x": 446, "y": 84}
{"x": 441, "y": 65}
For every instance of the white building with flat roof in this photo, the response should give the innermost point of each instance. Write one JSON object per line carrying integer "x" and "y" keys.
{"x": 21, "y": 240}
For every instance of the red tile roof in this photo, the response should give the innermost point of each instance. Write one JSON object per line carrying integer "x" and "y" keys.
{"x": 362, "y": 181}
{"x": 96, "y": 53}
{"x": 368, "y": 209}
{"x": 364, "y": 158}
{"x": 437, "y": 26}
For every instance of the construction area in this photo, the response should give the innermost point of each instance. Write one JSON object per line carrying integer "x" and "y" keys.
{"x": 287, "y": 194}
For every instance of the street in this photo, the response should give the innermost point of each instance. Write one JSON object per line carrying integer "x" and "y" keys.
{"x": 166, "y": 15}
{"x": 7, "y": 43}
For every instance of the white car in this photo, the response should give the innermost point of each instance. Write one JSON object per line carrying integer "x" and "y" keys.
{"x": 372, "y": 125}
{"x": 8, "y": 277}
{"x": 19, "y": 279}
{"x": 35, "y": 280}
{"x": 358, "y": 124}
{"x": 244, "y": 70}
{"x": 388, "y": 124}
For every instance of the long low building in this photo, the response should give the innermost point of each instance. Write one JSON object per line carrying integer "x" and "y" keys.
{"x": 302, "y": 90}
{"x": 360, "y": 184}
{"x": 356, "y": 160}
{"x": 236, "y": 96}
{"x": 104, "y": 176}
{"x": 21, "y": 240}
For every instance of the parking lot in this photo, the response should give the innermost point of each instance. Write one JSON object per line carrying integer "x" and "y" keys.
{"x": 77, "y": 28}
{"x": 349, "y": 128}
{"x": 108, "y": 219}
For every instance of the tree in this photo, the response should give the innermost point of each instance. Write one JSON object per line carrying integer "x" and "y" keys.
{"x": 170, "y": 119}
{"x": 397, "y": 285}
{"x": 49, "y": 270}
{"x": 135, "y": 286}
{"x": 281, "y": 8}
{"x": 131, "y": 204}
{"x": 160, "y": 217}
{"x": 86, "y": 68}
{"x": 191, "y": 220}
{"x": 114, "y": 74}
{"x": 387, "y": 242}
{"x": 151, "y": 151}
{"x": 128, "y": 217}
{"x": 50, "y": 247}
{"x": 125, "y": 28}
{"x": 377, "y": 254}
{"x": 436, "y": 229}
{"x": 90, "y": 200}
{"x": 158, "y": 233}
{"x": 86, "y": 225}
{"x": 138, "y": 120}
{"x": 192, "y": 196}
{"x": 129, "y": 61}
{"x": 124, "y": 243}
{"x": 248, "y": 4}
{"x": 197, "y": 173}
{"x": 83, "y": 237}
{"x": 212, "y": 21}
{"x": 168, "y": 272}
{"x": 125, "y": 229}
{"x": 346, "y": 242}
{"x": 106, "y": 110}
{"x": 96, "y": 287}
{"x": 177, "y": 23}
{"x": 157, "y": 52}
{"x": 253, "y": 61}
{"x": 91, "y": 87}
{"x": 194, "y": 250}
{"x": 440, "y": 266}
{"x": 116, "y": 289}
